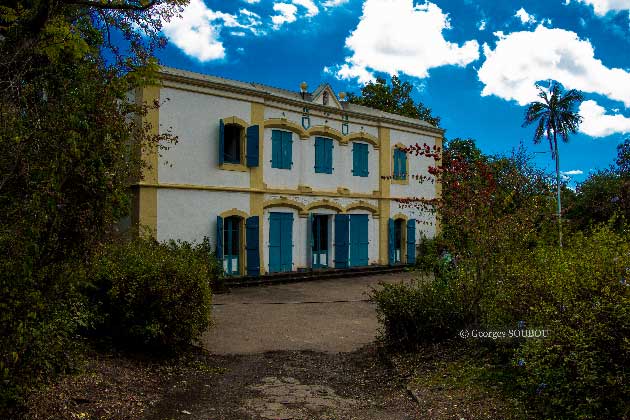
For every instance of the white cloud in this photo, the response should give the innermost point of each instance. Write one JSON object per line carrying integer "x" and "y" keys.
{"x": 597, "y": 123}
{"x": 334, "y": 3}
{"x": 311, "y": 9}
{"x": 519, "y": 60}
{"x": 197, "y": 30}
{"x": 482, "y": 25}
{"x": 573, "y": 172}
{"x": 194, "y": 33}
{"x": 526, "y": 18}
{"x": 287, "y": 14}
{"x": 395, "y": 36}
{"x": 253, "y": 1}
{"x": 602, "y": 7}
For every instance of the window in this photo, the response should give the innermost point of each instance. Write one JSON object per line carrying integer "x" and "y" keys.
{"x": 360, "y": 159}
{"x": 400, "y": 165}
{"x": 232, "y": 144}
{"x": 323, "y": 155}
{"x": 281, "y": 149}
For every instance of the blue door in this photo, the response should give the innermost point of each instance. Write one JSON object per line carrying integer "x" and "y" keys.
{"x": 341, "y": 240}
{"x": 358, "y": 240}
{"x": 280, "y": 242}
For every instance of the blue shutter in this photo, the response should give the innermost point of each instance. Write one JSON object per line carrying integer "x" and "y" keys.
{"x": 403, "y": 165}
{"x": 364, "y": 161}
{"x": 359, "y": 240}
{"x": 252, "y": 146}
{"x": 396, "y": 164}
{"x": 287, "y": 242}
{"x": 318, "y": 154}
{"x": 390, "y": 239}
{"x": 275, "y": 227}
{"x": 251, "y": 246}
{"x": 411, "y": 241}
{"x": 329, "y": 156}
{"x": 287, "y": 150}
{"x": 220, "y": 238}
{"x": 276, "y": 149}
{"x": 221, "y": 141}
{"x": 342, "y": 222}
{"x": 309, "y": 238}
{"x": 355, "y": 160}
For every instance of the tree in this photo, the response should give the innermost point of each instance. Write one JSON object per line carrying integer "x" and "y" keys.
{"x": 555, "y": 116}
{"x": 395, "y": 99}
{"x": 70, "y": 138}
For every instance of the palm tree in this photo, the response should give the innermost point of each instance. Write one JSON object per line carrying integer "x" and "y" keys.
{"x": 556, "y": 116}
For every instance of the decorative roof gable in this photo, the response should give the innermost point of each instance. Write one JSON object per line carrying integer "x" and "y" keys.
{"x": 324, "y": 95}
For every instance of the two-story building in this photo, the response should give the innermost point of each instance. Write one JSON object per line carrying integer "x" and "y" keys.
{"x": 283, "y": 181}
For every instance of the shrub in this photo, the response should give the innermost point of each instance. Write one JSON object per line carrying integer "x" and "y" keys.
{"x": 582, "y": 369}
{"x": 151, "y": 294}
{"x": 424, "y": 311}
{"x": 40, "y": 312}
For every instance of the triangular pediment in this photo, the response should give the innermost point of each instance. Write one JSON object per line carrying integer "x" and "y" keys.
{"x": 324, "y": 95}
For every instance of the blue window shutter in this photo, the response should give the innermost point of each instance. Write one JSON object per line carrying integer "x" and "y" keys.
{"x": 390, "y": 239}
{"x": 364, "y": 160}
{"x": 276, "y": 149}
{"x": 342, "y": 234}
{"x": 403, "y": 165}
{"x": 220, "y": 238}
{"x": 411, "y": 241}
{"x": 251, "y": 245}
{"x": 329, "y": 156}
{"x": 287, "y": 150}
{"x": 396, "y": 164}
{"x": 318, "y": 154}
{"x": 252, "y": 146}
{"x": 355, "y": 160}
{"x": 221, "y": 141}
{"x": 286, "y": 251}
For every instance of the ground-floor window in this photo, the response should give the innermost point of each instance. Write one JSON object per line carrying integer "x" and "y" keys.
{"x": 231, "y": 245}
{"x": 319, "y": 235}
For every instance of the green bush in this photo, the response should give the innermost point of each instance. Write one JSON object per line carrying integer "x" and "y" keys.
{"x": 151, "y": 294}
{"x": 423, "y": 311}
{"x": 40, "y": 312}
{"x": 582, "y": 369}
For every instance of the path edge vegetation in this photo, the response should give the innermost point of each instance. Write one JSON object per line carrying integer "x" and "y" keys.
{"x": 72, "y": 136}
{"x": 496, "y": 266}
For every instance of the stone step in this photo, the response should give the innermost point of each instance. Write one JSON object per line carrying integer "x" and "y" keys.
{"x": 310, "y": 275}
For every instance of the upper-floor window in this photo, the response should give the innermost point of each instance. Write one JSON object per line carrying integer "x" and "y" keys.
{"x": 360, "y": 159}
{"x": 400, "y": 164}
{"x": 323, "y": 155}
{"x": 232, "y": 143}
{"x": 281, "y": 149}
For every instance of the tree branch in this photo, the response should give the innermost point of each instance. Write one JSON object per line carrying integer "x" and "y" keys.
{"x": 112, "y": 5}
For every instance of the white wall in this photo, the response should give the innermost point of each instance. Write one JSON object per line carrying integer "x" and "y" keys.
{"x": 417, "y": 165}
{"x": 194, "y": 118}
{"x": 190, "y": 215}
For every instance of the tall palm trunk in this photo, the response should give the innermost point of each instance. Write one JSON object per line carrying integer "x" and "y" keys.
{"x": 557, "y": 156}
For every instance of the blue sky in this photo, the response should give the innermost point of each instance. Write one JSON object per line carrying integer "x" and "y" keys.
{"x": 474, "y": 62}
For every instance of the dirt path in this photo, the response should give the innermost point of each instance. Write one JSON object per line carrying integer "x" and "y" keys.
{"x": 329, "y": 316}
{"x": 289, "y": 385}
{"x": 294, "y": 351}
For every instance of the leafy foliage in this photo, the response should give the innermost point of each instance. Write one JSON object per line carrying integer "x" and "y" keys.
{"x": 555, "y": 115}
{"x": 395, "y": 99}
{"x": 152, "y": 295}
{"x": 71, "y": 140}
